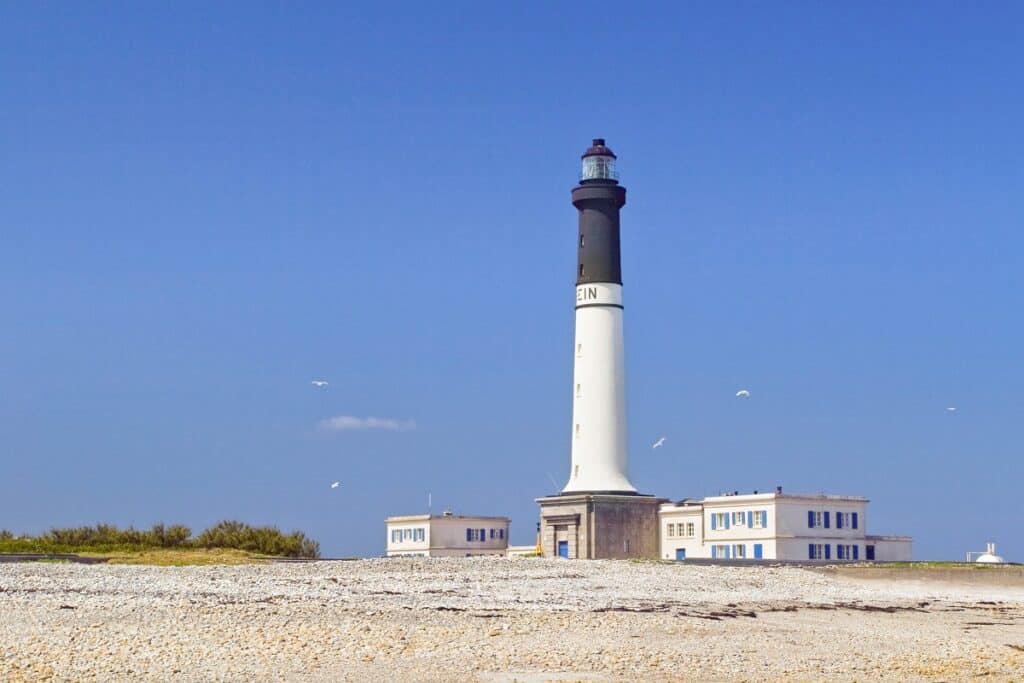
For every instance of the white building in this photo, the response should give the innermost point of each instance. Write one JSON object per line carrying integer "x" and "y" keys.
{"x": 446, "y": 535}
{"x": 774, "y": 526}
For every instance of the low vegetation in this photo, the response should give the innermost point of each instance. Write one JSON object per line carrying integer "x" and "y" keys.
{"x": 107, "y": 539}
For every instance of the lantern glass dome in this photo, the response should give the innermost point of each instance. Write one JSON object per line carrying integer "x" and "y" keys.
{"x": 599, "y": 167}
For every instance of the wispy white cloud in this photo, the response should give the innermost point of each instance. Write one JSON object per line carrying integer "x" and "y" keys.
{"x": 341, "y": 423}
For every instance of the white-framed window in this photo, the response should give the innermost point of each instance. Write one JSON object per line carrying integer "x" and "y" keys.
{"x": 671, "y": 530}
{"x": 720, "y": 551}
{"x": 817, "y": 551}
{"x": 420, "y": 535}
{"x": 737, "y": 518}
{"x": 758, "y": 519}
{"x": 690, "y": 529}
{"x": 739, "y": 550}
{"x": 720, "y": 519}
{"x": 817, "y": 520}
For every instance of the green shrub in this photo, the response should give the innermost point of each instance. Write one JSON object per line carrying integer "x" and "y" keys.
{"x": 262, "y": 540}
{"x": 108, "y": 538}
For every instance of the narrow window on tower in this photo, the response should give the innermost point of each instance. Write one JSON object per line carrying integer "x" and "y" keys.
{"x": 581, "y": 270}
{"x": 581, "y": 241}
{"x": 579, "y": 350}
{"x": 577, "y": 430}
{"x": 577, "y": 391}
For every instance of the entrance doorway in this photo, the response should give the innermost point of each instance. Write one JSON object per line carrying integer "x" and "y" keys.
{"x": 680, "y": 553}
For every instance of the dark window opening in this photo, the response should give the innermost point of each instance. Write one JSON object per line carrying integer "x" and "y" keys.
{"x": 581, "y": 241}
{"x": 581, "y": 270}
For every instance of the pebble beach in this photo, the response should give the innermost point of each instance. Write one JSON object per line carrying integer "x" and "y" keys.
{"x": 497, "y": 619}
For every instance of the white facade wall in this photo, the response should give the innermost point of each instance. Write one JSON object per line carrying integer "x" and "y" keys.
{"x": 891, "y": 548}
{"x": 599, "y": 457}
{"x": 672, "y": 540}
{"x": 408, "y": 536}
{"x": 446, "y": 535}
{"x": 775, "y": 526}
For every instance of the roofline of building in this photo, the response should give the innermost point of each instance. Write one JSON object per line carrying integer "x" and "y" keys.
{"x": 717, "y": 501}
{"x": 424, "y": 518}
{"x": 889, "y": 538}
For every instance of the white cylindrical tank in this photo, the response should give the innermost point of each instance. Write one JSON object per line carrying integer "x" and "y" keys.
{"x": 989, "y": 556}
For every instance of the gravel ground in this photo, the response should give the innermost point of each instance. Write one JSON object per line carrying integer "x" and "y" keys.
{"x": 497, "y": 620}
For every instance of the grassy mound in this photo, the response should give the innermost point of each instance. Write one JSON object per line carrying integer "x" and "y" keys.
{"x": 107, "y": 539}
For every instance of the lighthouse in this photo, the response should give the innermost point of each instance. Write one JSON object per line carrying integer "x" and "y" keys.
{"x": 599, "y": 459}
{"x": 599, "y": 513}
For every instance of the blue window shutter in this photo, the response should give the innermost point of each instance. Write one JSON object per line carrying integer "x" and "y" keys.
{"x": 828, "y": 551}
{"x": 764, "y": 518}
{"x": 727, "y": 515}
{"x": 750, "y": 518}
{"x": 856, "y": 549}
{"x": 712, "y": 525}
{"x": 810, "y": 519}
{"x": 714, "y": 552}
{"x": 483, "y": 534}
{"x": 826, "y": 519}
{"x": 810, "y": 551}
{"x": 727, "y": 553}
{"x": 839, "y": 520}
{"x": 854, "y": 520}
{"x": 758, "y": 553}
{"x": 469, "y": 534}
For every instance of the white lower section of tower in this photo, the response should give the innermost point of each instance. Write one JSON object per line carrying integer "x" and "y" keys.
{"x": 599, "y": 458}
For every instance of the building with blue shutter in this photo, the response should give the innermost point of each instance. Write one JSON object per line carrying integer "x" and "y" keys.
{"x": 775, "y": 526}
{"x": 446, "y": 535}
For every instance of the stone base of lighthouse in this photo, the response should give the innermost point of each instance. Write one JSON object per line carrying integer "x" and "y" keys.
{"x": 596, "y": 526}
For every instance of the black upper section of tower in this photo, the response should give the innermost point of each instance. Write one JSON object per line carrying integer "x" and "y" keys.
{"x": 598, "y": 201}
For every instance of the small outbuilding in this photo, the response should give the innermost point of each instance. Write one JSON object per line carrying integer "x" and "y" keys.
{"x": 446, "y": 535}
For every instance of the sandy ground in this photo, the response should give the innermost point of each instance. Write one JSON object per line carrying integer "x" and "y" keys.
{"x": 499, "y": 620}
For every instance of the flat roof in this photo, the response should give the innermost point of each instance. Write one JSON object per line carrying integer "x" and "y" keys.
{"x": 424, "y": 518}
{"x": 756, "y": 497}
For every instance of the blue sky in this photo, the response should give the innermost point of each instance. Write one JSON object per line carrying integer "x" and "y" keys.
{"x": 203, "y": 208}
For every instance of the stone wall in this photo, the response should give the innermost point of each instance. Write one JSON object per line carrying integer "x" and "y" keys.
{"x": 600, "y": 526}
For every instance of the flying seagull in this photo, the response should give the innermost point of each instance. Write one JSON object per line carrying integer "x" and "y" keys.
{"x": 743, "y": 393}
{"x": 335, "y": 484}
{"x": 319, "y": 383}
{"x": 951, "y": 409}
{"x": 659, "y": 443}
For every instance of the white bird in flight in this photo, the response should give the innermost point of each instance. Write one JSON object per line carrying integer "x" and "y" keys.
{"x": 335, "y": 484}
{"x": 658, "y": 443}
{"x": 743, "y": 393}
{"x": 951, "y": 409}
{"x": 319, "y": 383}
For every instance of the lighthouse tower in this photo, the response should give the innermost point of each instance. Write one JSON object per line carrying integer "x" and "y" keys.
{"x": 599, "y": 458}
{"x": 599, "y": 514}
